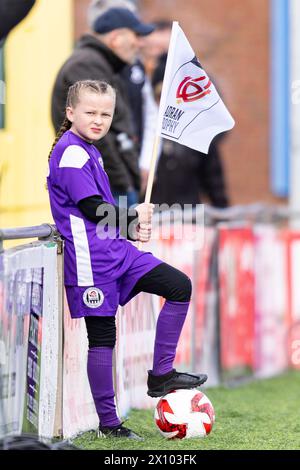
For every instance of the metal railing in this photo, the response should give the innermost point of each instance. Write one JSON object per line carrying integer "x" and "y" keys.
{"x": 42, "y": 232}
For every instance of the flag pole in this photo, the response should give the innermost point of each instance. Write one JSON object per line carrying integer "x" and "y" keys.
{"x": 167, "y": 74}
{"x": 151, "y": 175}
{"x": 166, "y": 79}
{"x": 154, "y": 157}
{"x": 152, "y": 169}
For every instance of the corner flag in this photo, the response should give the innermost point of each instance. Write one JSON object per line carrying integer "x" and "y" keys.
{"x": 191, "y": 111}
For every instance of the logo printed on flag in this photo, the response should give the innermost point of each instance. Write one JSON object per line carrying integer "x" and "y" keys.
{"x": 188, "y": 82}
{"x": 191, "y": 111}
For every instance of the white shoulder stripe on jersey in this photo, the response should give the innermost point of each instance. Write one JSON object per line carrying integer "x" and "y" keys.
{"x": 74, "y": 157}
{"x": 83, "y": 259}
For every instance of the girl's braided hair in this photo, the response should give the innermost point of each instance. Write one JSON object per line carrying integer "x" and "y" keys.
{"x": 73, "y": 97}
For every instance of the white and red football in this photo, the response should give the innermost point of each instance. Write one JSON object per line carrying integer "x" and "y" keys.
{"x": 182, "y": 414}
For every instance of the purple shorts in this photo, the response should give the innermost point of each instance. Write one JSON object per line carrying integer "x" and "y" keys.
{"x": 104, "y": 300}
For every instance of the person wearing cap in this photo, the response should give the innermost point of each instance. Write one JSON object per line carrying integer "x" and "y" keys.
{"x": 102, "y": 55}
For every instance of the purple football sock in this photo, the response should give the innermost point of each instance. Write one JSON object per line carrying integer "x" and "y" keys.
{"x": 168, "y": 329}
{"x": 99, "y": 368}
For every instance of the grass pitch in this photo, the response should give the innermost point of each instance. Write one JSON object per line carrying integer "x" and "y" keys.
{"x": 263, "y": 414}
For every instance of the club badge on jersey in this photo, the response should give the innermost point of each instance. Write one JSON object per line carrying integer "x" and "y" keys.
{"x": 93, "y": 297}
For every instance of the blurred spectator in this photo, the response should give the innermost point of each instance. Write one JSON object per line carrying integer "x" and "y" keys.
{"x": 103, "y": 54}
{"x": 11, "y": 13}
{"x": 156, "y": 45}
{"x": 185, "y": 175}
{"x": 140, "y": 94}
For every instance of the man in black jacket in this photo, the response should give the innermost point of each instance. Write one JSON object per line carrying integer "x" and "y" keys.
{"x": 102, "y": 55}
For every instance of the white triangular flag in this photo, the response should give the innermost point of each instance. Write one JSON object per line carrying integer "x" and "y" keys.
{"x": 191, "y": 111}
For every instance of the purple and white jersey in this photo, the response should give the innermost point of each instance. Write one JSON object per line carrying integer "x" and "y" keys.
{"x": 76, "y": 172}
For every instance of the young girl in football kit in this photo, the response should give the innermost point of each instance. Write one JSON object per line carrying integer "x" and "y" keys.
{"x": 102, "y": 268}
